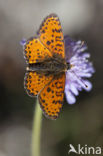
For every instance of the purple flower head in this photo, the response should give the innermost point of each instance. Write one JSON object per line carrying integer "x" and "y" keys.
{"x": 80, "y": 69}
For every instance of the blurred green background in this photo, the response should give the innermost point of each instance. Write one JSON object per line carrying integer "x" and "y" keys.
{"x": 81, "y": 123}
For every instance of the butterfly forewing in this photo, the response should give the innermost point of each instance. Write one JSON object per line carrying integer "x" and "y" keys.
{"x": 35, "y": 51}
{"x": 51, "y": 35}
{"x": 51, "y": 96}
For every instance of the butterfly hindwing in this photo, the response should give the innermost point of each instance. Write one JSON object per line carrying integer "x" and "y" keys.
{"x": 35, "y": 51}
{"x": 34, "y": 82}
{"x": 51, "y": 96}
{"x": 51, "y": 35}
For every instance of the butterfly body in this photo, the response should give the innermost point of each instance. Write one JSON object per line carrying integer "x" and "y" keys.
{"x": 45, "y": 57}
{"x": 51, "y": 65}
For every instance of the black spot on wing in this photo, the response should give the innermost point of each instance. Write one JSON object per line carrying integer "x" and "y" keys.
{"x": 48, "y": 42}
{"x": 48, "y": 89}
{"x": 59, "y": 45}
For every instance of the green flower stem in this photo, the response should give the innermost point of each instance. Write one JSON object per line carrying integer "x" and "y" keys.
{"x": 36, "y": 131}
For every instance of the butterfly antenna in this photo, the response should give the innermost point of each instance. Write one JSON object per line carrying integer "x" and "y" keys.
{"x": 80, "y": 80}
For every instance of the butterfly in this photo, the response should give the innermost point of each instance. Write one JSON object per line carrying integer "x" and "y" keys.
{"x": 45, "y": 73}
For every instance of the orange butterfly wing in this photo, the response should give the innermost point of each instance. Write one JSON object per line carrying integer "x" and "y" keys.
{"x": 49, "y": 44}
{"x": 51, "y": 96}
{"x": 51, "y": 35}
{"x": 50, "y": 41}
{"x": 35, "y": 51}
{"x": 34, "y": 82}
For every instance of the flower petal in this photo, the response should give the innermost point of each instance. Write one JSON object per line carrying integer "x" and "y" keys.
{"x": 74, "y": 89}
{"x": 88, "y": 84}
{"x": 70, "y": 97}
{"x": 23, "y": 42}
